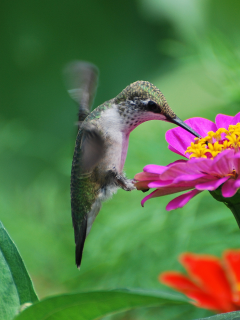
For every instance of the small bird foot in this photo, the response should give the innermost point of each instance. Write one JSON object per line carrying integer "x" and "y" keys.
{"x": 128, "y": 184}
{"x": 123, "y": 182}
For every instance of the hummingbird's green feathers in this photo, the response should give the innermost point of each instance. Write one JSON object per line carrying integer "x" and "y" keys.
{"x": 81, "y": 81}
{"x": 89, "y": 150}
{"x": 144, "y": 90}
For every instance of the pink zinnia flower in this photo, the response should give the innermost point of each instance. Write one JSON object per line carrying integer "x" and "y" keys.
{"x": 211, "y": 282}
{"x": 212, "y": 161}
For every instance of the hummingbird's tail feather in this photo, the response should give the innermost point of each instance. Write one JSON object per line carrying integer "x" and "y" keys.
{"x": 81, "y": 79}
{"x": 80, "y": 242}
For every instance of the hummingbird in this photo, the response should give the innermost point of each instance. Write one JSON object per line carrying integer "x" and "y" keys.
{"x": 102, "y": 142}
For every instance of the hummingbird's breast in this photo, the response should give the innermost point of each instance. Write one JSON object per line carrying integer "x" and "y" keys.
{"x": 116, "y": 139}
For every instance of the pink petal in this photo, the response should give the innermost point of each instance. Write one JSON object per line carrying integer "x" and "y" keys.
{"x": 236, "y": 162}
{"x": 201, "y": 125}
{"x": 236, "y": 119}
{"x": 178, "y": 169}
{"x": 154, "y": 168}
{"x": 163, "y": 192}
{"x": 184, "y": 185}
{"x": 158, "y": 184}
{"x": 237, "y": 182}
{"x": 211, "y": 185}
{"x": 149, "y": 196}
{"x": 157, "y": 169}
{"x": 175, "y": 151}
{"x": 229, "y": 189}
{"x": 188, "y": 177}
{"x": 201, "y": 165}
{"x": 191, "y": 167}
{"x": 145, "y": 176}
{"x": 180, "y": 201}
{"x": 223, "y": 163}
{"x": 180, "y": 139}
{"x": 223, "y": 121}
{"x": 177, "y": 161}
{"x": 141, "y": 185}
{"x": 170, "y": 184}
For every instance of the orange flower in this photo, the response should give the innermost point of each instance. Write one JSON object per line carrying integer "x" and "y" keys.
{"x": 211, "y": 282}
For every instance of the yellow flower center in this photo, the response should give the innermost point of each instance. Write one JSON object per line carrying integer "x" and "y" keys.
{"x": 215, "y": 142}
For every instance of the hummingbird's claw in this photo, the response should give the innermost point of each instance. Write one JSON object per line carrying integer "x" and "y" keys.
{"x": 129, "y": 185}
{"x": 123, "y": 182}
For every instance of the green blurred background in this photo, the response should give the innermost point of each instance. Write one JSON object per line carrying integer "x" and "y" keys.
{"x": 191, "y": 51}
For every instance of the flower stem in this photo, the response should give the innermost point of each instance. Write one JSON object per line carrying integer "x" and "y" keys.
{"x": 232, "y": 203}
{"x": 235, "y": 210}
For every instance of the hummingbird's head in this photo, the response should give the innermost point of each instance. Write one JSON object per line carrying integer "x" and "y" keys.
{"x": 141, "y": 101}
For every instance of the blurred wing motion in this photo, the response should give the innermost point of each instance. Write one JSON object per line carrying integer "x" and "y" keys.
{"x": 81, "y": 81}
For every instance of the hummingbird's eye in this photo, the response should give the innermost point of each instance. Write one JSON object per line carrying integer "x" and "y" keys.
{"x": 152, "y": 106}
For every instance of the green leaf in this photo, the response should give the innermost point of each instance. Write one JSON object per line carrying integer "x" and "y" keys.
{"x": 224, "y": 316}
{"x": 92, "y": 305}
{"x": 15, "y": 284}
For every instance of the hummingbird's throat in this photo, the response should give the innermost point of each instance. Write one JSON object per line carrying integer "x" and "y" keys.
{"x": 215, "y": 142}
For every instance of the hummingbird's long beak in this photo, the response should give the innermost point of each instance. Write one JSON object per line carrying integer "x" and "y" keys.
{"x": 183, "y": 125}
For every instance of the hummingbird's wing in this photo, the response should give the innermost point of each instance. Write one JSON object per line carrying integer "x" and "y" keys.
{"x": 81, "y": 81}
{"x": 92, "y": 149}
{"x": 89, "y": 150}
